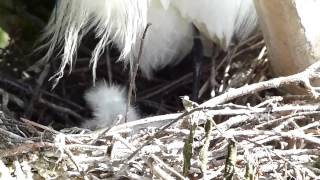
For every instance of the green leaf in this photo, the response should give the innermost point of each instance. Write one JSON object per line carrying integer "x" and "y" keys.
{"x": 4, "y": 38}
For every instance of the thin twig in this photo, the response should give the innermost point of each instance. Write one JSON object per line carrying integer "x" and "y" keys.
{"x": 134, "y": 72}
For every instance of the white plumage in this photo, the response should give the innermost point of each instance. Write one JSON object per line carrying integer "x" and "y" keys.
{"x": 169, "y": 38}
{"x": 112, "y": 20}
{"x": 108, "y": 104}
{"x": 220, "y": 21}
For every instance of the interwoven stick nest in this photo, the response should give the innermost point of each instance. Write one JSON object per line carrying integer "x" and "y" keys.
{"x": 245, "y": 131}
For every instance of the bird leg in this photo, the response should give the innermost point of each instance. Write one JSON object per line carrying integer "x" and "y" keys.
{"x": 197, "y": 55}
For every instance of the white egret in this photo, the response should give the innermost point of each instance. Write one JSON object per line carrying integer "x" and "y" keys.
{"x": 169, "y": 38}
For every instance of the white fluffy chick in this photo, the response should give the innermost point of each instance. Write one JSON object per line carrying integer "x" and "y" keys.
{"x": 123, "y": 22}
{"x": 108, "y": 104}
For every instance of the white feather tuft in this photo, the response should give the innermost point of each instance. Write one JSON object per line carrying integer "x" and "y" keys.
{"x": 107, "y": 103}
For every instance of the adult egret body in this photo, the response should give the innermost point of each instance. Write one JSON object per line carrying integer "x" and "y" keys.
{"x": 169, "y": 38}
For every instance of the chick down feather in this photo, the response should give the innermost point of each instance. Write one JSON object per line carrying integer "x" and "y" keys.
{"x": 108, "y": 104}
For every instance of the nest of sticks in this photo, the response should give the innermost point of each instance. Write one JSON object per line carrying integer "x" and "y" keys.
{"x": 249, "y": 129}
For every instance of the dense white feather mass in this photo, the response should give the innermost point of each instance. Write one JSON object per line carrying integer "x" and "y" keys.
{"x": 107, "y": 103}
{"x": 220, "y": 20}
{"x": 169, "y": 38}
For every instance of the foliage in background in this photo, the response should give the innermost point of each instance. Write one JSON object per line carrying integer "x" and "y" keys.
{"x": 22, "y": 21}
{"x": 4, "y": 38}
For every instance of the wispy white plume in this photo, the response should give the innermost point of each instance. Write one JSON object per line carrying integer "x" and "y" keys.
{"x": 112, "y": 20}
{"x": 108, "y": 104}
